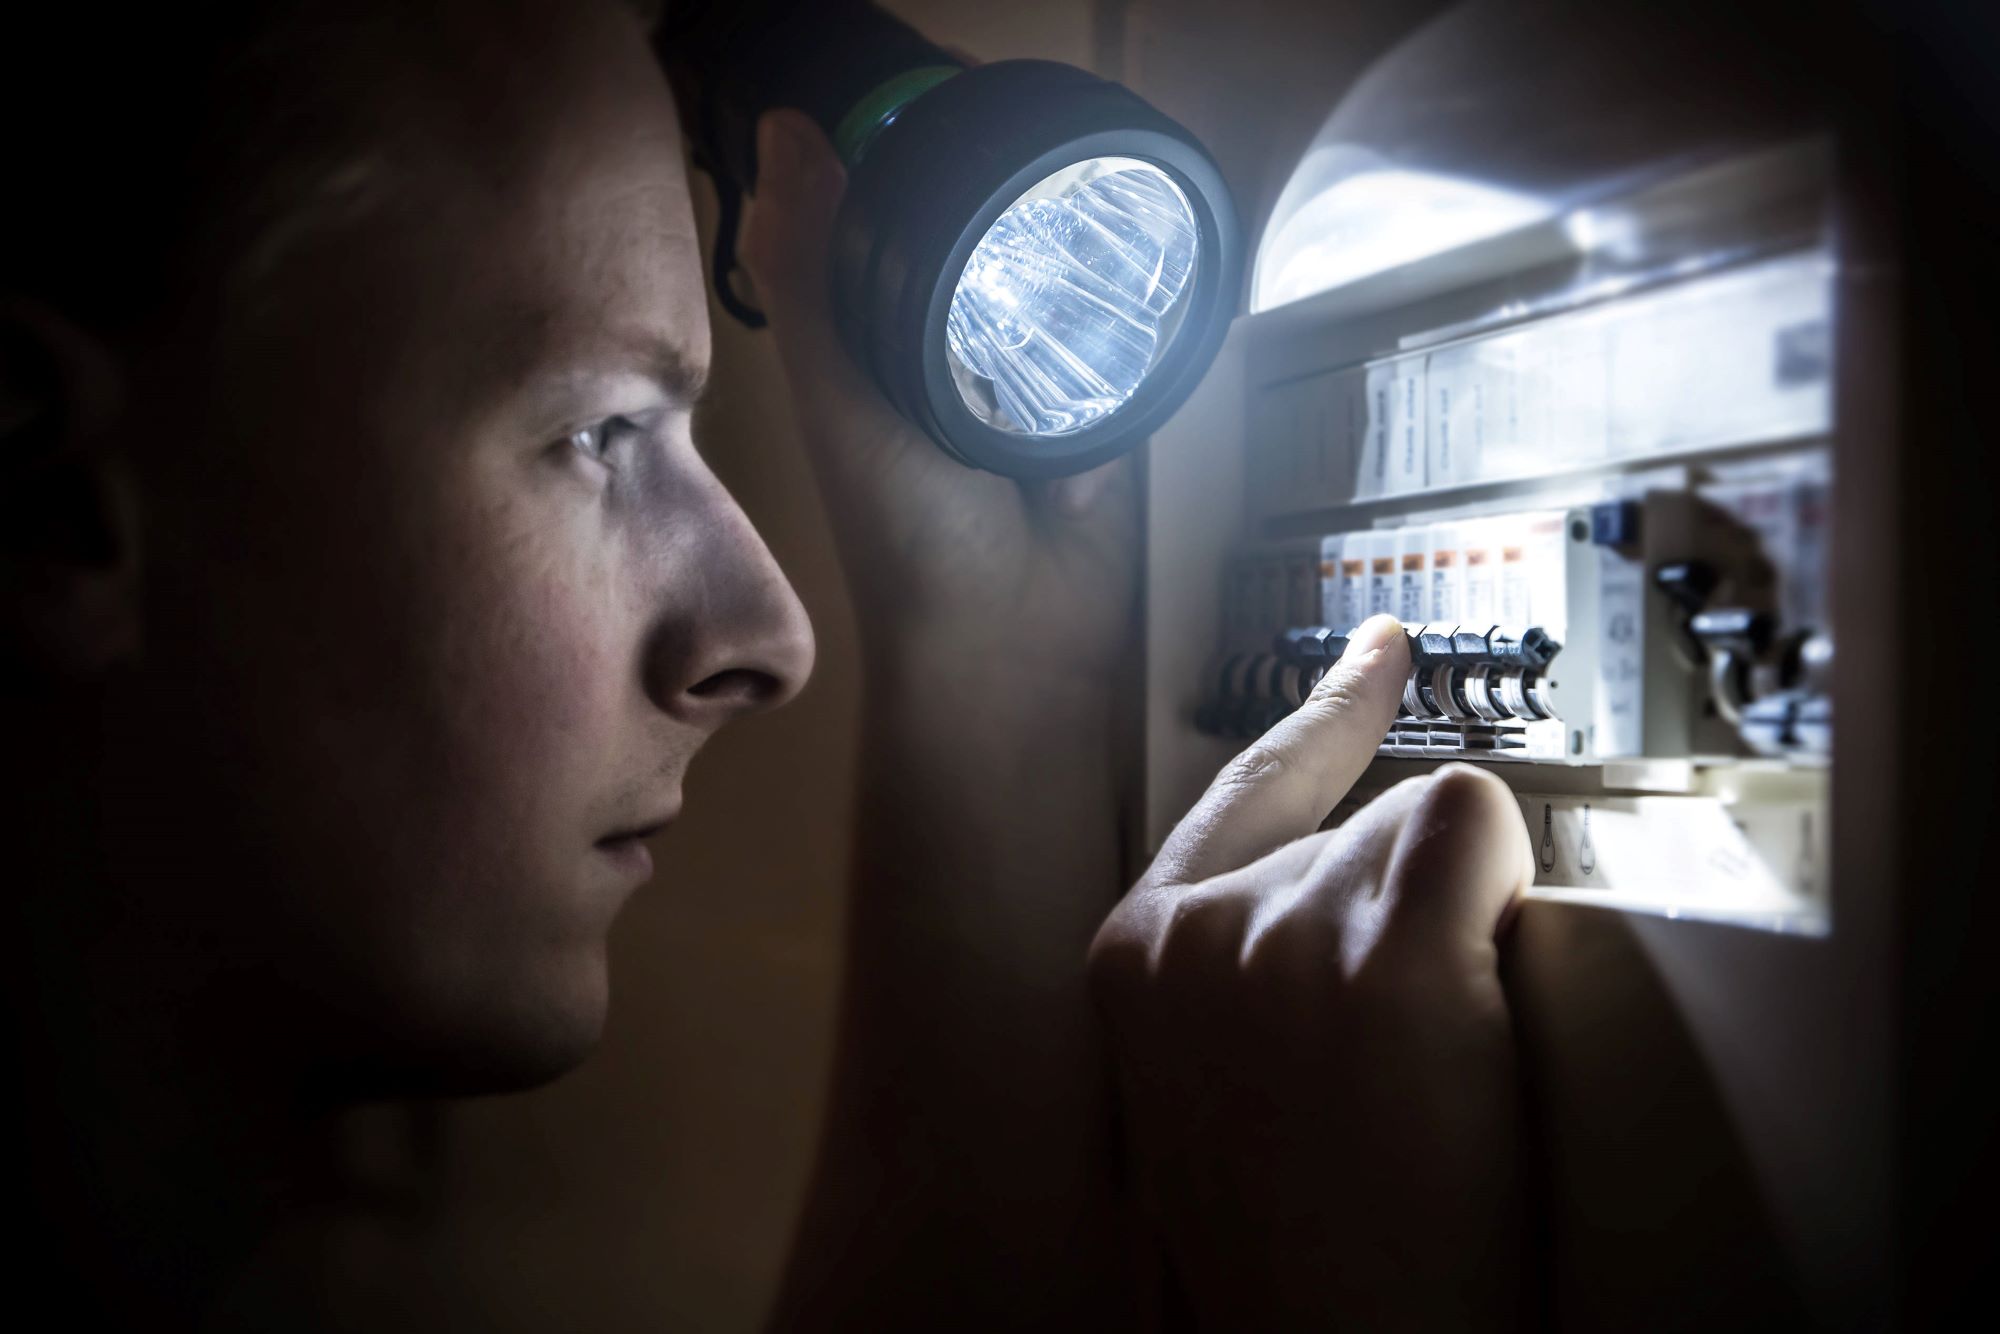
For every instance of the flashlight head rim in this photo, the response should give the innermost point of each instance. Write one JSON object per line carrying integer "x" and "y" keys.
{"x": 934, "y": 184}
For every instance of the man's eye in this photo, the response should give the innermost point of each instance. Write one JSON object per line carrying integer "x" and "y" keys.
{"x": 598, "y": 439}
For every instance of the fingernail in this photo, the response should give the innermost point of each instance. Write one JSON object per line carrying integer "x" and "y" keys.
{"x": 1374, "y": 633}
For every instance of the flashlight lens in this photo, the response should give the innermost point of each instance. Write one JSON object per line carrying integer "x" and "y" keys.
{"x": 1071, "y": 297}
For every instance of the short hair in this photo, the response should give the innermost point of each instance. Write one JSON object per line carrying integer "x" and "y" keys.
{"x": 150, "y": 146}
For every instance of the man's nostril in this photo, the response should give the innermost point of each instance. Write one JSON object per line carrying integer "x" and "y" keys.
{"x": 739, "y": 685}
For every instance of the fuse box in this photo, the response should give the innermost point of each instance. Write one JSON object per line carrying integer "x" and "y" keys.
{"x": 1587, "y": 464}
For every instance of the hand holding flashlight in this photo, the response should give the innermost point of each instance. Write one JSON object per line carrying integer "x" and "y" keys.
{"x": 970, "y": 569}
{"x": 1316, "y": 1062}
{"x": 1033, "y": 264}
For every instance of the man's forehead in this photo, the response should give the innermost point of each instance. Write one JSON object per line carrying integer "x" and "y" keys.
{"x": 628, "y": 287}
{"x": 610, "y": 231}
{"x": 552, "y": 239}
{"x": 549, "y": 144}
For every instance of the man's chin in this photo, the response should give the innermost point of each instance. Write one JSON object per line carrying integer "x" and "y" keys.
{"x": 516, "y": 1069}
{"x": 530, "y": 1038}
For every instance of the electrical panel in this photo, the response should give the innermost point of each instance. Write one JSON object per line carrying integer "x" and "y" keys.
{"x": 1587, "y": 463}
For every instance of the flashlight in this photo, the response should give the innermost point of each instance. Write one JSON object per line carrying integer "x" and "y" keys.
{"x": 1035, "y": 265}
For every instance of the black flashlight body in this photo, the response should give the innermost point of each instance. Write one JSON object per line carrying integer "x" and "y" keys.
{"x": 731, "y": 62}
{"x": 936, "y": 152}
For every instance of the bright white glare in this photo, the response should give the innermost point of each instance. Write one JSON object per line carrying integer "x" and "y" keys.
{"x": 1067, "y": 302}
{"x": 1604, "y": 231}
{"x": 1366, "y": 216}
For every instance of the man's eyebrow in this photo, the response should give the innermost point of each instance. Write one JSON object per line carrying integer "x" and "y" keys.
{"x": 565, "y": 372}
{"x": 675, "y": 369}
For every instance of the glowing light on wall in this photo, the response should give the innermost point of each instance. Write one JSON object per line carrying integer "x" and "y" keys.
{"x": 1347, "y": 214}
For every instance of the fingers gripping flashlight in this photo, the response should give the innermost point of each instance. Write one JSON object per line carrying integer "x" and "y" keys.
{"x": 1034, "y": 264}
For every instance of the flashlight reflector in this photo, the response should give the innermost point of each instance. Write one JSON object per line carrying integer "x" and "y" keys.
{"x": 1072, "y": 296}
{"x": 1035, "y": 265}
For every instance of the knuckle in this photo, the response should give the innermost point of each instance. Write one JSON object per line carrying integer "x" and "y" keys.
{"x": 1183, "y": 928}
{"x": 1258, "y": 763}
{"x": 1298, "y": 959}
{"x": 1156, "y": 940}
{"x": 1460, "y": 796}
{"x": 1337, "y": 692}
{"x": 1198, "y": 932}
{"x": 1411, "y": 786}
{"x": 1277, "y": 956}
{"x": 1120, "y": 956}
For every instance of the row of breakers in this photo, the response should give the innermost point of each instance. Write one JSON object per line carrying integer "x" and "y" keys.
{"x": 1470, "y": 688}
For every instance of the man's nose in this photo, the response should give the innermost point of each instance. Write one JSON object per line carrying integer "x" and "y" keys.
{"x": 742, "y": 641}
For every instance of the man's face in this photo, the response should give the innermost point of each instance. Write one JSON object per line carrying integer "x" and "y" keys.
{"x": 440, "y": 599}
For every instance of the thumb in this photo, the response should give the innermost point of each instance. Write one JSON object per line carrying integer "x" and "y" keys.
{"x": 1283, "y": 785}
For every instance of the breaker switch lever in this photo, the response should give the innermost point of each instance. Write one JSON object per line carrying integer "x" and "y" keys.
{"x": 1733, "y": 639}
{"x": 1312, "y": 644}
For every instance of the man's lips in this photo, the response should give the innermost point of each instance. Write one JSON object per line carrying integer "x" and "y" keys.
{"x": 640, "y": 832}
{"x": 627, "y": 846}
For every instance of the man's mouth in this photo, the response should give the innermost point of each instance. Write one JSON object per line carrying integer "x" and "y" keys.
{"x": 627, "y": 847}
{"x": 640, "y": 832}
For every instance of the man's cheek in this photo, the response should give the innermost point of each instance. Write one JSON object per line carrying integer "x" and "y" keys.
{"x": 553, "y": 675}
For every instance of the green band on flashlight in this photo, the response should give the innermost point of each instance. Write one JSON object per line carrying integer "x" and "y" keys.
{"x": 872, "y": 114}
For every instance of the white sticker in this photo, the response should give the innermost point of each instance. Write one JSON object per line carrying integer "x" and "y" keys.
{"x": 1482, "y": 573}
{"x": 1621, "y": 655}
{"x": 1447, "y": 596}
{"x": 1329, "y": 580}
{"x": 1381, "y": 574}
{"x": 1458, "y": 381}
{"x": 1413, "y": 580}
{"x": 1354, "y": 582}
{"x": 1371, "y": 471}
{"x": 1407, "y": 440}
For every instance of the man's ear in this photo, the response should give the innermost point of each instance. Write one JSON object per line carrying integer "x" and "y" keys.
{"x": 68, "y": 515}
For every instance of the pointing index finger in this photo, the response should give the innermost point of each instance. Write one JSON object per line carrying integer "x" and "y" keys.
{"x": 1282, "y": 786}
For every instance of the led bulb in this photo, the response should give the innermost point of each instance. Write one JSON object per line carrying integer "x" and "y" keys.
{"x": 1072, "y": 297}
